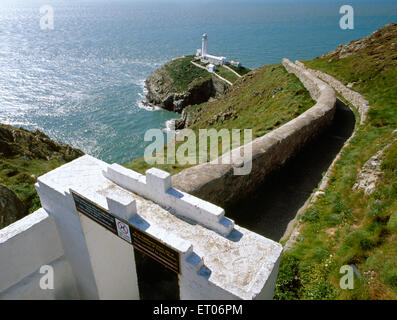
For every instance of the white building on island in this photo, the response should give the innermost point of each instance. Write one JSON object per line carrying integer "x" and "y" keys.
{"x": 209, "y": 58}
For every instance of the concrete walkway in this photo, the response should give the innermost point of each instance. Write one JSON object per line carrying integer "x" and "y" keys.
{"x": 217, "y": 75}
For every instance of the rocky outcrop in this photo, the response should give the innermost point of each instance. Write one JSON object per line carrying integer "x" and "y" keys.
{"x": 370, "y": 173}
{"x": 33, "y": 145}
{"x": 16, "y": 144}
{"x": 11, "y": 207}
{"x": 218, "y": 184}
{"x": 376, "y": 42}
{"x": 162, "y": 92}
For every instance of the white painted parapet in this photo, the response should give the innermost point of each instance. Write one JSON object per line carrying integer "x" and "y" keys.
{"x": 94, "y": 259}
{"x": 156, "y": 186}
{"x": 93, "y": 254}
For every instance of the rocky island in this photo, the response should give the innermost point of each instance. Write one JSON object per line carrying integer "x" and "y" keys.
{"x": 179, "y": 83}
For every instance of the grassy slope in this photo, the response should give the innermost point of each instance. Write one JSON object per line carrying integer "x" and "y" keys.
{"x": 227, "y": 74}
{"x": 345, "y": 226}
{"x": 263, "y": 100}
{"x": 20, "y": 175}
{"x": 240, "y": 70}
{"x": 184, "y": 74}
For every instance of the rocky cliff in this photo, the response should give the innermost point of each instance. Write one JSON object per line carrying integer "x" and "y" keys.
{"x": 11, "y": 207}
{"x": 33, "y": 145}
{"x": 25, "y": 155}
{"x": 179, "y": 83}
{"x": 378, "y": 44}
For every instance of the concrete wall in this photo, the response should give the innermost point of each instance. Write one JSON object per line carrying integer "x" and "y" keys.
{"x": 91, "y": 262}
{"x": 103, "y": 264}
{"x": 217, "y": 183}
{"x": 156, "y": 186}
{"x": 27, "y": 245}
{"x": 113, "y": 263}
{"x": 353, "y": 97}
{"x": 61, "y": 207}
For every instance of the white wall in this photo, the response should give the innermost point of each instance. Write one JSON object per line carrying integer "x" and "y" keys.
{"x": 113, "y": 262}
{"x": 91, "y": 262}
{"x": 61, "y": 207}
{"x": 156, "y": 186}
{"x": 25, "y": 246}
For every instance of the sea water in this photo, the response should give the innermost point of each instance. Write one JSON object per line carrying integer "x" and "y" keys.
{"x": 82, "y": 82}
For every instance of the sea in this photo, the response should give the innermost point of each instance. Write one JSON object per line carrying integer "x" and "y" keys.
{"x": 81, "y": 81}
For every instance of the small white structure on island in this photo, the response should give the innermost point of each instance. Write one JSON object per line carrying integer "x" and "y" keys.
{"x": 93, "y": 214}
{"x": 211, "y": 67}
{"x": 209, "y": 58}
{"x": 235, "y": 63}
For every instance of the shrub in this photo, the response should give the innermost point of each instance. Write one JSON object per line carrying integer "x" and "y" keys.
{"x": 310, "y": 215}
{"x": 288, "y": 282}
{"x": 333, "y": 219}
{"x": 392, "y": 224}
{"x": 360, "y": 239}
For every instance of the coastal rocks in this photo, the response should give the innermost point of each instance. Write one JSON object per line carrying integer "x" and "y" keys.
{"x": 370, "y": 173}
{"x": 380, "y": 36}
{"x": 33, "y": 145}
{"x": 182, "y": 122}
{"x": 11, "y": 207}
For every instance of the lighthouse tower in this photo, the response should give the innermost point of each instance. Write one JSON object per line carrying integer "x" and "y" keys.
{"x": 204, "y": 46}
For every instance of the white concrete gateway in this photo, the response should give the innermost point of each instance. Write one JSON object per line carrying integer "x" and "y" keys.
{"x": 94, "y": 214}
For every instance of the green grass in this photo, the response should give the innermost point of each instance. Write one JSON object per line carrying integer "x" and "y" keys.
{"x": 20, "y": 176}
{"x": 346, "y": 226}
{"x": 185, "y": 75}
{"x": 263, "y": 101}
{"x": 240, "y": 70}
{"x": 227, "y": 74}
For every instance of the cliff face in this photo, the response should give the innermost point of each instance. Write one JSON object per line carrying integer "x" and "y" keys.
{"x": 178, "y": 84}
{"x": 33, "y": 145}
{"x": 11, "y": 207}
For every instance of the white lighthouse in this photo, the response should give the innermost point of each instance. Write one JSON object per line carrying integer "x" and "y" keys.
{"x": 204, "y": 45}
{"x": 208, "y": 58}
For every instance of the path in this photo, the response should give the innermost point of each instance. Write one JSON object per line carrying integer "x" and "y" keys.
{"x": 215, "y": 74}
{"x": 269, "y": 210}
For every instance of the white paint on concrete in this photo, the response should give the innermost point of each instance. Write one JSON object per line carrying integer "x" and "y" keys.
{"x": 113, "y": 262}
{"x": 25, "y": 246}
{"x": 29, "y": 287}
{"x": 91, "y": 262}
{"x": 156, "y": 186}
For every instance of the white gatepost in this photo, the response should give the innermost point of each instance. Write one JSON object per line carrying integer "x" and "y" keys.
{"x": 103, "y": 264}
